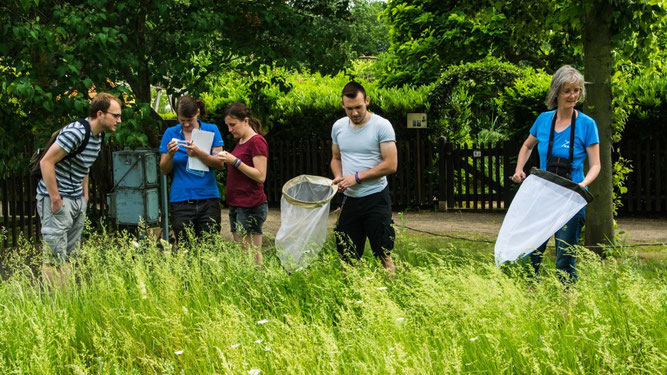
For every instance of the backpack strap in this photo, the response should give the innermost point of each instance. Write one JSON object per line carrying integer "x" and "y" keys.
{"x": 86, "y": 138}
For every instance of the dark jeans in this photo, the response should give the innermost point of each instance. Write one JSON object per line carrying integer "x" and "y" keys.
{"x": 203, "y": 215}
{"x": 566, "y": 238}
{"x": 248, "y": 220}
{"x": 368, "y": 216}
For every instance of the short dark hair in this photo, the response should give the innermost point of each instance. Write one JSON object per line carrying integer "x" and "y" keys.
{"x": 101, "y": 102}
{"x": 352, "y": 89}
{"x": 187, "y": 106}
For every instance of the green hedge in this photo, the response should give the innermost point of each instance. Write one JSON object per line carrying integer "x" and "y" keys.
{"x": 302, "y": 105}
{"x": 484, "y": 101}
{"x": 646, "y": 102}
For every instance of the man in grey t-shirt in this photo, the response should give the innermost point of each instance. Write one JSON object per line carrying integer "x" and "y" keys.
{"x": 363, "y": 154}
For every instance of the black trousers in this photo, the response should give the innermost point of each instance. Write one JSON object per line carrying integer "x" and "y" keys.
{"x": 365, "y": 217}
{"x": 203, "y": 215}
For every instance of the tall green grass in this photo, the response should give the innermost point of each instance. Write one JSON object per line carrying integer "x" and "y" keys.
{"x": 133, "y": 308}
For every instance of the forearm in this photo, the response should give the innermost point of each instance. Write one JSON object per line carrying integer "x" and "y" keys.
{"x": 593, "y": 172}
{"x": 253, "y": 173}
{"x": 524, "y": 155}
{"x": 336, "y": 167}
{"x": 212, "y": 161}
{"x": 166, "y": 163}
{"x": 49, "y": 177}
{"x": 385, "y": 168}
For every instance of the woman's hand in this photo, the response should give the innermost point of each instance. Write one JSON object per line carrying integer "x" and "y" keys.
{"x": 172, "y": 147}
{"x": 226, "y": 157}
{"x": 518, "y": 176}
{"x": 193, "y": 150}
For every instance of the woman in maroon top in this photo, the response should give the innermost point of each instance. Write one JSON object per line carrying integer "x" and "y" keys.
{"x": 246, "y": 172}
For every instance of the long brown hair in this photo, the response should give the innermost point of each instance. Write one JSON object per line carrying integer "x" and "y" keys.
{"x": 187, "y": 106}
{"x": 240, "y": 111}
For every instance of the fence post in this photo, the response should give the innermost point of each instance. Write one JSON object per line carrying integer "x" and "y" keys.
{"x": 508, "y": 195}
{"x": 449, "y": 173}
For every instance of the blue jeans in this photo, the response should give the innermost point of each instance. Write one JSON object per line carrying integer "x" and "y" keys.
{"x": 566, "y": 238}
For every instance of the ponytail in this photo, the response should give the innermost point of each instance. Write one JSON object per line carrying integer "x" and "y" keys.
{"x": 240, "y": 111}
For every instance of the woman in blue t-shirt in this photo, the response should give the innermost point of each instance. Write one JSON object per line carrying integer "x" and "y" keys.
{"x": 562, "y": 151}
{"x": 194, "y": 195}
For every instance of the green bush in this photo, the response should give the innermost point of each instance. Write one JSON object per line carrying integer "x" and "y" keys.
{"x": 645, "y": 98}
{"x": 486, "y": 101}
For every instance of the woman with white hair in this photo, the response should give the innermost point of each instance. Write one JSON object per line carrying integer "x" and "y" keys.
{"x": 564, "y": 137}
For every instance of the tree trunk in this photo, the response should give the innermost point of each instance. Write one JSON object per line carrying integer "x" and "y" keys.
{"x": 597, "y": 66}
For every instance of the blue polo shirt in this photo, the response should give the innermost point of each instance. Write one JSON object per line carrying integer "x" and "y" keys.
{"x": 586, "y": 134}
{"x": 187, "y": 185}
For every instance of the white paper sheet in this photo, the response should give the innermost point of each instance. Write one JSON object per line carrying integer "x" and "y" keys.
{"x": 203, "y": 140}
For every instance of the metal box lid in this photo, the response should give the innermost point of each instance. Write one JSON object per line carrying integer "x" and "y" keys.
{"x": 135, "y": 169}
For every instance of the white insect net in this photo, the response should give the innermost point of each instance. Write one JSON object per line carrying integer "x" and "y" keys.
{"x": 304, "y": 212}
{"x": 543, "y": 204}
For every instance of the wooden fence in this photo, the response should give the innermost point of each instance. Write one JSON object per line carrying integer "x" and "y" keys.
{"x": 647, "y": 184}
{"x": 429, "y": 174}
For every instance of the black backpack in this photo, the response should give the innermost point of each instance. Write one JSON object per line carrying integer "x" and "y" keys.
{"x": 36, "y": 170}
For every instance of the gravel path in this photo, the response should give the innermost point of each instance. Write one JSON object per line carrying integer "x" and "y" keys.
{"x": 476, "y": 225}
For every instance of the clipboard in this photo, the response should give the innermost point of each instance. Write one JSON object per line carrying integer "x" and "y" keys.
{"x": 203, "y": 140}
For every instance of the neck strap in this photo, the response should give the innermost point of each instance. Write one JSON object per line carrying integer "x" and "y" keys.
{"x": 551, "y": 135}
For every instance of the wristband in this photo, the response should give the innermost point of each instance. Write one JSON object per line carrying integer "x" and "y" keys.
{"x": 236, "y": 163}
{"x": 356, "y": 177}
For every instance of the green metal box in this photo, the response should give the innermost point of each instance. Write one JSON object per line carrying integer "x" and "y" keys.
{"x": 129, "y": 206}
{"x": 135, "y": 169}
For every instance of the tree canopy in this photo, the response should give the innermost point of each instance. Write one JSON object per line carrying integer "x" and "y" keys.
{"x": 427, "y": 36}
{"x": 54, "y": 53}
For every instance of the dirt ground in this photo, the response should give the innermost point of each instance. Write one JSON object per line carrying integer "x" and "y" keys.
{"x": 476, "y": 225}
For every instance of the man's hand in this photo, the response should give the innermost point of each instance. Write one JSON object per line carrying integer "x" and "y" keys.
{"x": 344, "y": 182}
{"x": 56, "y": 203}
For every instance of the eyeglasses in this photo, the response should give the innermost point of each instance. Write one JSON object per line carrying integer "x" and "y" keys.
{"x": 115, "y": 115}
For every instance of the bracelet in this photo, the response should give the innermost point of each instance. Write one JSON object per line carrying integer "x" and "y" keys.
{"x": 236, "y": 163}
{"x": 356, "y": 177}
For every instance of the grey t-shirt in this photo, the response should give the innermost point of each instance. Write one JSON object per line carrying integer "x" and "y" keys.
{"x": 360, "y": 150}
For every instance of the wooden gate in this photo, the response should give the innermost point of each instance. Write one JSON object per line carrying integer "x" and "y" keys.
{"x": 476, "y": 177}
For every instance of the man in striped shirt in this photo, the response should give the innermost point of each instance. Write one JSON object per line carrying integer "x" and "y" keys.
{"x": 62, "y": 193}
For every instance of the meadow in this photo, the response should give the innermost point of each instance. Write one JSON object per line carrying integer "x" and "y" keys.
{"x": 132, "y": 307}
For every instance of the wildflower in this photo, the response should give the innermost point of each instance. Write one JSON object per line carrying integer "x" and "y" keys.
{"x": 259, "y": 341}
{"x": 235, "y": 346}
{"x": 400, "y": 319}
{"x": 254, "y": 371}
{"x": 142, "y": 289}
{"x": 266, "y": 349}
{"x": 382, "y": 288}
{"x": 165, "y": 244}
{"x": 136, "y": 244}
{"x": 263, "y": 321}
{"x": 178, "y": 352}
{"x": 474, "y": 338}
{"x": 359, "y": 302}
